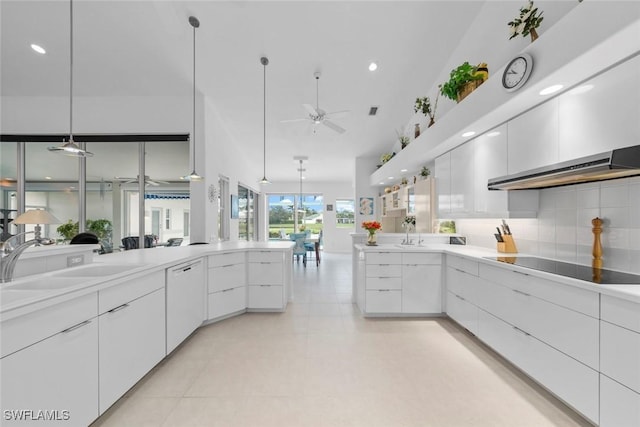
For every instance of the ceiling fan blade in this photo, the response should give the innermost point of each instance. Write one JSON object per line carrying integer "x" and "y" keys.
{"x": 311, "y": 109}
{"x": 151, "y": 182}
{"x": 333, "y": 126}
{"x": 294, "y": 120}
{"x": 338, "y": 114}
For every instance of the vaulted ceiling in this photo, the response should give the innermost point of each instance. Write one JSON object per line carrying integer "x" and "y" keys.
{"x": 144, "y": 48}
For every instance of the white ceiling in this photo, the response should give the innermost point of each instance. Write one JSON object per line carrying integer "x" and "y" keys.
{"x": 143, "y": 48}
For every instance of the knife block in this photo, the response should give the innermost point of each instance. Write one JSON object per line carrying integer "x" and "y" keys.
{"x": 508, "y": 246}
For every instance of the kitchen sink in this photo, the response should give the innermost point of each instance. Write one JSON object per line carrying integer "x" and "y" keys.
{"x": 97, "y": 270}
{"x": 40, "y": 284}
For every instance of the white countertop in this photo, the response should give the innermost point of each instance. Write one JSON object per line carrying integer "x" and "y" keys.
{"x": 476, "y": 253}
{"x": 16, "y": 302}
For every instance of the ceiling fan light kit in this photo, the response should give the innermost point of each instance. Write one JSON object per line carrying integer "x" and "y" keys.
{"x": 193, "y": 176}
{"x": 70, "y": 148}
{"x": 317, "y": 115}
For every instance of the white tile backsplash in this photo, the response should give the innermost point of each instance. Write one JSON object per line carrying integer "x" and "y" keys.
{"x": 563, "y": 226}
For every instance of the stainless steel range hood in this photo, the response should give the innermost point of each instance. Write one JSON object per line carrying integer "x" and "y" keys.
{"x": 619, "y": 163}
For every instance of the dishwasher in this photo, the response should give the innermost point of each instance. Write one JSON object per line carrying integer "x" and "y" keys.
{"x": 185, "y": 301}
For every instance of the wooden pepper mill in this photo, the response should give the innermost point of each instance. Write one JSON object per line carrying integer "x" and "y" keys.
{"x": 597, "y": 249}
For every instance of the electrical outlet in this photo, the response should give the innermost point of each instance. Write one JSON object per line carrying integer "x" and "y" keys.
{"x": 75, "y": 260}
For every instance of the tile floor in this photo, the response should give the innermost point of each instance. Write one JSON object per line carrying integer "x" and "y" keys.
{"x": 322, "y": 364}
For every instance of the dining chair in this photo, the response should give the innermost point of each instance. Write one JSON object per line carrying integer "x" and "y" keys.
{"x": 313, "y": 248}
{"x": 299, "y": 248}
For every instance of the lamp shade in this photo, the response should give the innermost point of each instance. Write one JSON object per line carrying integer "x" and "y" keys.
{"x": 36, "y": 216}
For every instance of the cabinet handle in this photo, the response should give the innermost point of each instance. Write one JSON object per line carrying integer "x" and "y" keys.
{"x": 74, "y": 327}
{"x": 186, "y": 269}
{"x": 383, "y": 265}
{"x": 227, "y": 265}
{"x": 384, "y": 290}
{"x": 521, "y": 293}
{"x": 412, "y": 265}
{"x": 520, "y": 272}
{"x": 459, "y": 297}
{"x": 227, "y": 290}
{"x": 521, "y": 331}
{"x": 265, "y": 262}
{"x": 265, "y": 286}
{"x": 118, "y": 308}
{"x": 458, "y": 270}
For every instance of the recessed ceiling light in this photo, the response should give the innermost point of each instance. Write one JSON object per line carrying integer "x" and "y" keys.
{"x": 382, "y": 183}
{"x": 492, "y": 134}
{"x": 47, "y": 177}
{"x": 38, "y": 48}
{"x": 581, "y": 89}
{"x": 373, "y": 66}
{"x": 389, "y": 177}
{"x": 470, "y": 133}
{"x": 551, "y": 89}
{"x": 403, "y": 170}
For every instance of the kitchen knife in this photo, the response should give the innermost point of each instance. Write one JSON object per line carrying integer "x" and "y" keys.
{"x": 499, "y": 238}
{"x": 498, "y": 228}
{"x": 506, "y": 227}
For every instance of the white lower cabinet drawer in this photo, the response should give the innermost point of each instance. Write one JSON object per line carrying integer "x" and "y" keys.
{"x": 570, "y": 380}
{"x": 227, "y": 301}
{"x": 375, "y": 283}
{"x": 227, "y": 276}
{"x": 265, "y": 297}
{"x": 383, "y": 258}
{"x": 383, "y": 301}
{"x": 265, "y": 273}
{"x": 463, "y": 312}
{"x": 619, "y": 406}
{"x": 384, "y": 270}
{"x": 620, "y": 355}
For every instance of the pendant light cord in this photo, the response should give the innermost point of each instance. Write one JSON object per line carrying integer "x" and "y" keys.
{"x": 264, "y": 121}
{"x": 193, "y": 137}
{"x": 71, "y": 71}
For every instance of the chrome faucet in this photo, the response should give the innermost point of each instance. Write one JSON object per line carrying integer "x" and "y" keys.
{"x": 10, "y": 254}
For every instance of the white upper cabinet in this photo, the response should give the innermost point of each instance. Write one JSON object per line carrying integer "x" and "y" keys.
{"x": 443, "y": 184}
{"x": 490, "y": 162}
{"x": 462, "y": 188}
{"x": 601, "y": 114}
{"x": 533, "y": 138}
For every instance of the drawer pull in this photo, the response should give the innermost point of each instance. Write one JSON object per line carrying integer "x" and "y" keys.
{"x": 521, "y": 331}
{"x": 118, "y": 308}
{"x": 227, "y": 290}
{"x": 520, "y": 272}
{"x": 74, "y": 327}
{"x": 265, "y": 286}
{"x": 521, "y": 293}
{"x": 228, "y": 265}
{"x": 384, "y": 290}
{"x": 412, "y": 265}
{"x": 265, "y": 262}
{"x": 459, "y": 297}
{"x": 383, "y": 265}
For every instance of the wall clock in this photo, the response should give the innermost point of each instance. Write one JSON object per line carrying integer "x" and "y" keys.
{"x": 213, "y": 193}
{"x": 517, "y": 72}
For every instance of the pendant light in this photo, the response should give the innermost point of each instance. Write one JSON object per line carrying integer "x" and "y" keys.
{"x": 301, "y": 207}
{"x": 264, "y": 61}
{"x": 193, "y": 176}
{"x": 70, "y": 148}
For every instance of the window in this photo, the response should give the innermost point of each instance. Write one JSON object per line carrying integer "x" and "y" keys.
{"x": 246, "y": 213}
{"x": 224, "y": 213}
{"x": 186, "y": 222}
{"x": 287, "y": 213}
{"x": 345, "y": 217}
{"x": 167, "y": 219}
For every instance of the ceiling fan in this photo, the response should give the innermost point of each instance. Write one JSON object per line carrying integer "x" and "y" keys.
{"x": 319, "y": 116}
{"x": 147, "y": 180}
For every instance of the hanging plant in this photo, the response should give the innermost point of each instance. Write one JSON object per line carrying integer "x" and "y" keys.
{"x": 526, "y": 23}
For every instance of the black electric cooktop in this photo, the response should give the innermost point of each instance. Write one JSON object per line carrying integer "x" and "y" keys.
{"x": 599, "y": 276}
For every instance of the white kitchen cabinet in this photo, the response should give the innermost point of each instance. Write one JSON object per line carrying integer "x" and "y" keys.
{"x": 185, "y": 301}
{"x": 58, "y": 373}
{"x": 443, "y": 184}
{"x": 425, "y": 205}
{"x": 620, "y": 353}
{"x": 384, "y": 301}
{"x": 383, "y": 282}
{"x": 227, "y": 284}
{"x": 463, "y": 312}
{"x": 602, "y": 118}
{"x": 533, "y": 138}
{"x": 421, "y": 283}
{"x": 462, "y": 179}
{"x": 124, "y": 357}
{"x": 619, "y": 405}
{"x": 267, "y": 288}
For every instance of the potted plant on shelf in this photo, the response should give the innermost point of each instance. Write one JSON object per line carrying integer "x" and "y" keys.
{"x": 404, "y": 140}
{"x": 424, "y": 106}
{"x": 386, "y": 157}
{"x": 425, "y": 172}
{"x": 68, "y": 230}
{"x": 371, "y": 227}
{"x": 526, "y": 23}
{"x": 463, "y": 80}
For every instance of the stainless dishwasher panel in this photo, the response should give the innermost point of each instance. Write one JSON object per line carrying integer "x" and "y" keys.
{"x": 185, "y": 301}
